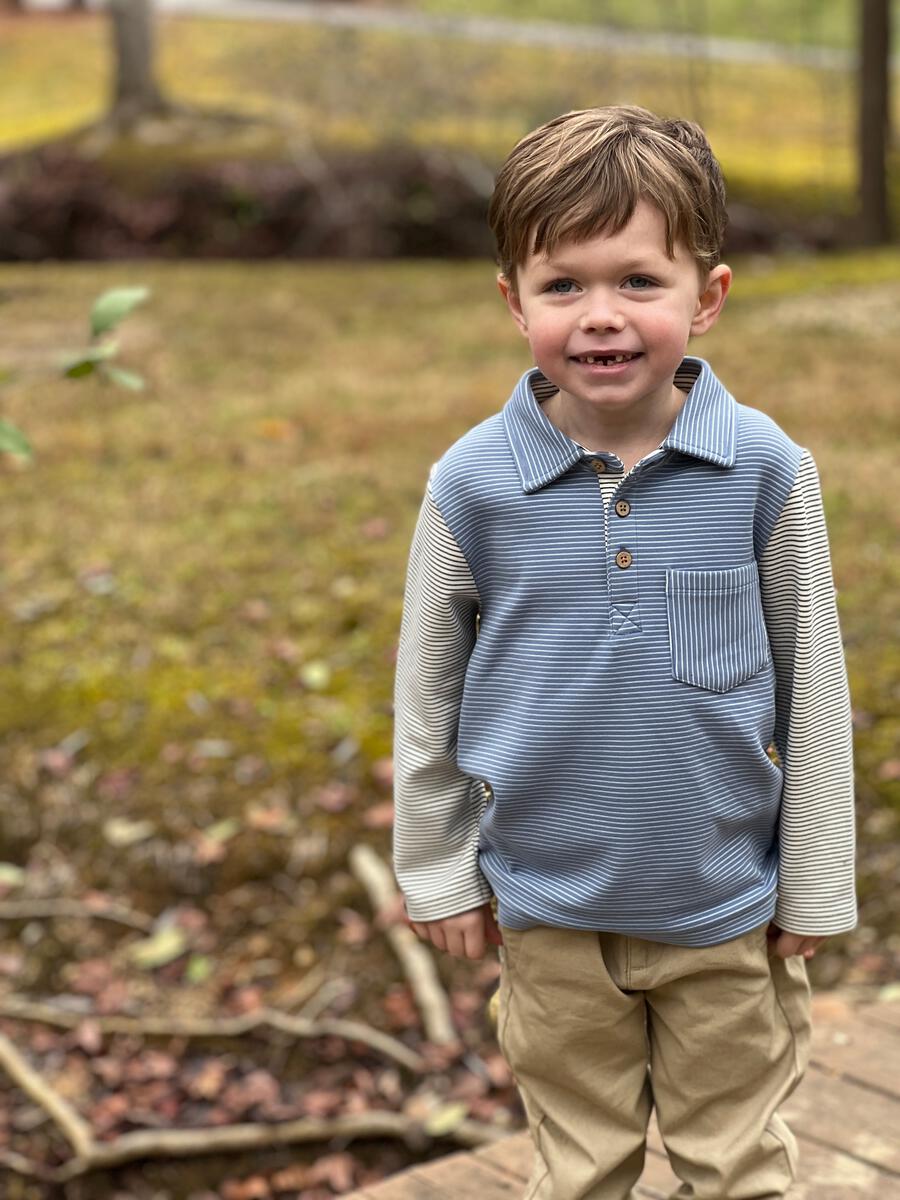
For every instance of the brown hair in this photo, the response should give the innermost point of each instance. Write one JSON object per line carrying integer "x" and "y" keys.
{"x": 585, "y": 171}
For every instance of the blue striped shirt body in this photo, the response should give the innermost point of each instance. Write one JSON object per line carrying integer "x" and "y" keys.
{"x": 586, "y": 689}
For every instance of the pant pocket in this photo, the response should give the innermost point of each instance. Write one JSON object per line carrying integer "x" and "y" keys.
{"x": 793, "y": 995}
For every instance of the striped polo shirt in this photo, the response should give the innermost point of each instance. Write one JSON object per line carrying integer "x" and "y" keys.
{"x": 621, "y": 701}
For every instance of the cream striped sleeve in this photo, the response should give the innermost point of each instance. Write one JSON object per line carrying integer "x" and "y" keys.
{"x": 813, "y": 735}
{"x": 437, "y": 807}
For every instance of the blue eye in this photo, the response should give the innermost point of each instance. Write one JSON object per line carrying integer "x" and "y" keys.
{"x": 641, "y": 281}
{"x": 560, "y": 283}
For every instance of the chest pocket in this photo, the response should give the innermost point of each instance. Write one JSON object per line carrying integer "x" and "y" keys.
{"x": 717, "y": 631}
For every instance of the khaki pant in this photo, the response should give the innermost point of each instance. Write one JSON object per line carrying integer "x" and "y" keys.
{"x": 725, "y": 1032}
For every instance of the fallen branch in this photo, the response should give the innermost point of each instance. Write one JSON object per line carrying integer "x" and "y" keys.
{"x": 67, "y": 1120}
{"x": 31, "y": 910}
{"x": 183, "y": 1143}
{"x": 415, "y": 959}
{"x": 24, "y": 1009}
{"x": 18, "y": 1163}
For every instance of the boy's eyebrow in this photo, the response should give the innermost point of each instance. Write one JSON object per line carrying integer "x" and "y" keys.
{"x": 632, "y": 264}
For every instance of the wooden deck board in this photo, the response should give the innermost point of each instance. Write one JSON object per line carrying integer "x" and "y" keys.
{"x": 464, "y": 1173}
{"x": 845, "y": 1115}
{"x": 885, "y": 1015}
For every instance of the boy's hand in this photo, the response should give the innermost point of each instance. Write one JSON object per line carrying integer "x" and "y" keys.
{"x": 785, "y": 944}
{"x": 466, "y": 935}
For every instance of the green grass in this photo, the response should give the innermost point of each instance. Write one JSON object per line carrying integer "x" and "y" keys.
{"x": 812, "y": 22}
{"x": 784, "y": 134}
{"x": 253, "y": 510}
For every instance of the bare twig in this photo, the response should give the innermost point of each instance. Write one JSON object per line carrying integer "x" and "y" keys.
{"x": 182, "y": 1143}
{"x": 28, "y": 910}
{"x": 322, "y": 997}
{"x": 75, "y": 1128}
{"x": 13, "y": 1161}
{"x": 21, "y": 1008}
{"x": 415, "y": 959}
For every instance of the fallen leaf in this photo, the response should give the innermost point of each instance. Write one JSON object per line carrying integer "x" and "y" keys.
{"x": 11, "y": 962}
{"x": 11, "y": 875}
{"x": 88, "y": 1037}
{"x": 315, "y": 675}
{"x": 253, "y": 1188}
{"x": 276, "y": 429}
{"x": 161, "y": 947}
{"x": 336, "y": 1170}
{"x": 375, "y": 529}
{"x": 71, "y": 1078}
{"x": 379, "y": 816}
{"x": 256, "y": 1090}
{"x": 270, "y": 818}
{"x": 446, "y": 1118}
{"x": 113, "y": 998}
{"x": 199, "y": 968}
{"x": 206, "y": 1080}
{"x": 246, "y": 1000}
{"x": 285, "y": 650}
{"x": 121, "y": 831}
{"x": 291, "y": 1178}
{"x": 256, "y": 610}
{"x": 109, "y": 1112}
{"x": 354, "y": 930}
{"x": 212, "y": 748}
{"x": 56, "y": 762}
{"x": 321, "y": 1102}
{"x": 117, "y": 785}
{"x": 334, "y": 796}
{"x": 222, "y": 831}
{"x": 390, "y": 1085}
{"x": 383, "y": 772}
{"x": 89, "y": 976}
{"x": 207, "y": 850}
{"x": 151, "y": 1065}
{"x": 109, "y": 1069}
{"x": 400, "y": 1007}
{"x": 250, "y": 768}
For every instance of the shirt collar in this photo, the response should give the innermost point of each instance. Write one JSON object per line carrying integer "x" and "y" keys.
{"x": 705, "y": 427}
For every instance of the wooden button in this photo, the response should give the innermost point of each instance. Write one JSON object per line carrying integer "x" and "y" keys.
{"x": 623, "y": 508}
{"x": 598, "y": 465}
{"x": 624, "y": 559}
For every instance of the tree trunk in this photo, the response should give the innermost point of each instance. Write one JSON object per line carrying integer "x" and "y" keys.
{"x": 874, "y": 121}
{"x": 135, "y": 91}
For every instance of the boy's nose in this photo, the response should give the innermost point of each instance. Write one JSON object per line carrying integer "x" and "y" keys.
{"x": 601, "y": 314}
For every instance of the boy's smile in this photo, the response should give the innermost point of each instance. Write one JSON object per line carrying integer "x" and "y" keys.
{"x": 608, "y": 321}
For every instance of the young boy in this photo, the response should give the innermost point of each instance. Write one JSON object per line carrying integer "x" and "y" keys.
{"x": 619, "y": 597}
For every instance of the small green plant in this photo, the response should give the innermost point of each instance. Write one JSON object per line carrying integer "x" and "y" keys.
{"x": 108, "y": 310}
{"x": 13, "y": 441}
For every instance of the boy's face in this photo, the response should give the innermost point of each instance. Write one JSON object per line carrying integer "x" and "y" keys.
{"x": 615, "y": 295}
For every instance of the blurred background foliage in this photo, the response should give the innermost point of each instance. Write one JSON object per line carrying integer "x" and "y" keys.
{"x": 784, "y": 129}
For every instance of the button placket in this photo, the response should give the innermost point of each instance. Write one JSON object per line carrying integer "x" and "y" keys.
{"x": 623, "y": 558}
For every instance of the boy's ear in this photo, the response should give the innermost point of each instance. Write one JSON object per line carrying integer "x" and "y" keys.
{"x": 508, "y": 292}
{"x": 710, "y": 301}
